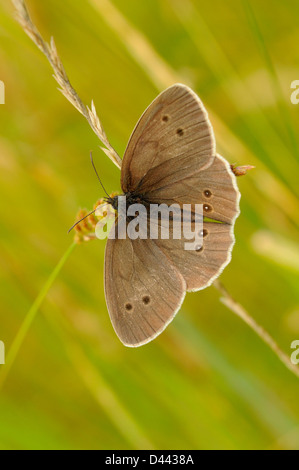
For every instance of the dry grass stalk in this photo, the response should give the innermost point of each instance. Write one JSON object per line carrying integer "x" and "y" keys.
{"x": 50, "y": 51}
{"x": 236, "y": 308}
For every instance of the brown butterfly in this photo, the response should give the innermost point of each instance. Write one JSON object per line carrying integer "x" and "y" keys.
{"x": 170, "y": 158}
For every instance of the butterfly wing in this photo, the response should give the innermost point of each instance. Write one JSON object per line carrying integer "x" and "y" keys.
{"x": 174, "y": 137}
{"x": 200, "y": 267}
{"x": 215, "y": 187}
{"x": 143, "y": 289}
{"x": 170, "y": 158}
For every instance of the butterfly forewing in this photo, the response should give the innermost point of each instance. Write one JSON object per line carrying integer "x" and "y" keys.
{"x": 173, "y": 134}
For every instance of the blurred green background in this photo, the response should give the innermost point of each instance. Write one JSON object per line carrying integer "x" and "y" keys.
{"x": 208, "y": 382}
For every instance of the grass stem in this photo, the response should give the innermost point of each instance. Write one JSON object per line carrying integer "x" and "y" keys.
{"x": 259, "y": 330}
{"x": 31, "y": 314}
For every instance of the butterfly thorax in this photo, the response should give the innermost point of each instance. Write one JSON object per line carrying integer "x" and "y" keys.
{"x": 131, "y": 198}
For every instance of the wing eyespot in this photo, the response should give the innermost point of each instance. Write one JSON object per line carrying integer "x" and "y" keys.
{"x": 198, "y": 248}
{"x": 146, "y": 299}
{"x": 207, "y": 193}
{"x": 180, "y": 132}
{"x": 207, "y": 208}
{"x": 128, "y": 306}
{"x": 165, "y": 118}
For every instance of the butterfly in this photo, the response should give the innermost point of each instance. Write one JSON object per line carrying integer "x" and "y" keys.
{"x": 170, "y": 158}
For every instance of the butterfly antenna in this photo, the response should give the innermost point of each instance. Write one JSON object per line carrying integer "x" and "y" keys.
{"x": 97, "y": 174}
{"x": 78, "y": 222}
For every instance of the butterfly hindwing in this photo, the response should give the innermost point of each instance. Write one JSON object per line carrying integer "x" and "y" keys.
{"x": 143, "y": 289}
{"x": 202, "y": 265}
{"x": 214, "y": 187}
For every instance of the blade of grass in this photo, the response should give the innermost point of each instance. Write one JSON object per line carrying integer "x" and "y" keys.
{"x": 29, "y": 318}
{"x": 137, "y": 44}
{"x": 279, "y": 249}
{"x": 283, "y": 111}
{"x": 217, "y": 60}
{"x": 236, "y": 308}
{"x": 267, "y": 407}
{"x": 98, "y": 387}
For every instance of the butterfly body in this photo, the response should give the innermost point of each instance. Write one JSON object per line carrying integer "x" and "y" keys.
{"x": 130, "y": 199}
{"x": 170, "y": 159}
